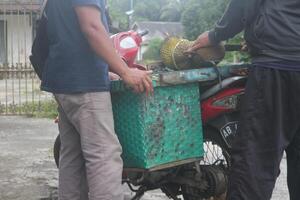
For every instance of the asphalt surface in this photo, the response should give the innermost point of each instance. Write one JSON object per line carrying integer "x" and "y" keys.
{"x": 27, "y": 169}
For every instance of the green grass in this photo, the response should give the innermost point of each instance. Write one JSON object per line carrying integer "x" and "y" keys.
{"x": 43, "y": 109}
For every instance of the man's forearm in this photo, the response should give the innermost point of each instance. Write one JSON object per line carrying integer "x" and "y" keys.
{"x": 101, "y": 44}
{"x": 89, "y": 18}
{"x": 232, "y": 22}
{"x": 99, "y": 40}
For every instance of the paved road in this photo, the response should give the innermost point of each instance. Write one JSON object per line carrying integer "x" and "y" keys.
{"x": 27, "y": 170}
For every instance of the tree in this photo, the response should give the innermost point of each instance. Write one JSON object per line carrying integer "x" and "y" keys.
{"x": 149, "y": 10}
{"x": 153, "y": 50}
{"x": 236, "y": 57}
{"x": 201, "y": 15}
{"x": 117, "y": 9}
{"x": 146, "y": 10}
{"x": 172, "y": 11}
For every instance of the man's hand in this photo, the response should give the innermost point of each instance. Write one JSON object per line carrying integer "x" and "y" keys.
{"x": 113, "y": 76}
{"x": 139, "y": 80}
{"x": 202, "y": 41}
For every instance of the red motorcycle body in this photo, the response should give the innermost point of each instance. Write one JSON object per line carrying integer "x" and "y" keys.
{"x": 224, "y": 102}
{"x": 127, "y": 45}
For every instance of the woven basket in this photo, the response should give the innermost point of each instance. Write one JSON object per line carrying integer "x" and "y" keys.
{"x": 160, "y": 129}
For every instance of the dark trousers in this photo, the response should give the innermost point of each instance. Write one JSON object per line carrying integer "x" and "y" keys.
{"x": 269, "y": 125}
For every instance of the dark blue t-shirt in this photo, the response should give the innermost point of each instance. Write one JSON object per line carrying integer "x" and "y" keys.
{"x": 72, "y": 66}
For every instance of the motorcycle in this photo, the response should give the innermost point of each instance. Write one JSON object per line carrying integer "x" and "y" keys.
{"x": 220, "y": 102}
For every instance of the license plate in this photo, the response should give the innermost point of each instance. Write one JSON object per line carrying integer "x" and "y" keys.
{"x": 229, "y": 131}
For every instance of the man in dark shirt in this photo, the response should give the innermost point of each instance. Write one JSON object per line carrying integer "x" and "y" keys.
{"x": 76, "y": 72}
{"x": 270, "y": 118}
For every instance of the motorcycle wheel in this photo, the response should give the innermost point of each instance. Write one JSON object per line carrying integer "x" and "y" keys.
{"x": 56, "y": 150}
{"x": 216, "y": 154}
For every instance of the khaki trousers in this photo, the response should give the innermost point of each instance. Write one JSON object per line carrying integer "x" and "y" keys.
{"x": 90, "y": 156}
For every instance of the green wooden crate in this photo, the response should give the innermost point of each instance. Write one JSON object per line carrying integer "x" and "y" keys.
{"x": 161, "y": 129}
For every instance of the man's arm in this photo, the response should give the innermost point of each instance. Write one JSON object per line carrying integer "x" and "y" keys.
{"x": 89, "y": 18}
{"x": 231, "y": 23}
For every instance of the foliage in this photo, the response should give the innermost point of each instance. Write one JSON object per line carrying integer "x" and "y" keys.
{"x": 152, "y": 52}
{"x": 236, "y": 57}
{"x": 172, "y": 11}
{"x": 117, "y": 9}
{"x": 148, "y": 10}
{"x": 201, "y": 15}
{"x": 196, "y": 16}
{"x": 145, "y": 10}
{"x": 43, "y": 109}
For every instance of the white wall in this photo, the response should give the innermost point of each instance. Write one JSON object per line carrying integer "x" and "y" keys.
{"x": 19, "y": 37}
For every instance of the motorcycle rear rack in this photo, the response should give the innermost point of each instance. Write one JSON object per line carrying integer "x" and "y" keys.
{"x": 164, "y": 166}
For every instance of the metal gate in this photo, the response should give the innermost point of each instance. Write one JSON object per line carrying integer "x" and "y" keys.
{"x": 19, "y": 85}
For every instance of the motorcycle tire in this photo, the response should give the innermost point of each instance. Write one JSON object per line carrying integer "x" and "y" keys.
{"x": 56, "y": 150}
{"x": 212, "y": 136}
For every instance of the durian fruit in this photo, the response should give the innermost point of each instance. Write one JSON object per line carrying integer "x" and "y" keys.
{"x": 166, "y": 50}
{"x": 173, "y": 54}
